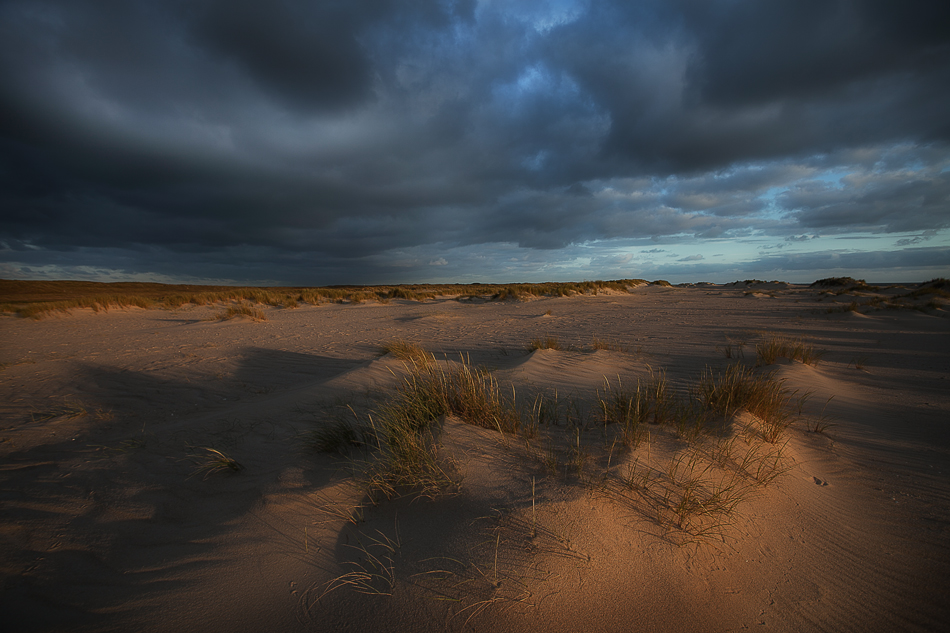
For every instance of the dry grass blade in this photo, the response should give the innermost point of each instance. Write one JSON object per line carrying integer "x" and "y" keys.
{"x": 374, "y": 572}
{"x": 68, "y": 409}
{"x": 215, "y": 461}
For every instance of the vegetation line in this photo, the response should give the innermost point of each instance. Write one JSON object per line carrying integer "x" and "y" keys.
{"x": 37, "y": 299}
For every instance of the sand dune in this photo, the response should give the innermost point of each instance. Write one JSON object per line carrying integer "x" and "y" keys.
{"x": 109, "y": 523}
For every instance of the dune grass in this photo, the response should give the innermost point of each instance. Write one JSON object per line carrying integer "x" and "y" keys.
{"x": 548, "y": 342}
{"x": 632, "y": 407}
{"x": 599, "y": 343}
{"x": 628, "y": 408}
{"x": 338, "y": 436}
{"x": 373, "y": 572}
{"x": 67, "y": 410}
{"x": 739, "y": 388}
{"x": 213, "y": 462}
{"x": 39, "y": 299}
{"x": 774, "y": 346}
{"x": 732, "y": 349}
{"x": 691, "y": 489}
{"x": 403, "y": 430}
{"x": 409, "y": 352}
{"x": 242, "y": 310}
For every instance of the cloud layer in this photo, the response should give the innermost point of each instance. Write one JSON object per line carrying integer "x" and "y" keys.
{"x": 313, "y": 143}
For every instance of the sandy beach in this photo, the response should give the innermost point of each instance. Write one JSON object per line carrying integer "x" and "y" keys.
{"x": 158, "y": 469}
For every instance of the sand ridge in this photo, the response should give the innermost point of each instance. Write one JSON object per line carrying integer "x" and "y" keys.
{"x": 107, "y": 524}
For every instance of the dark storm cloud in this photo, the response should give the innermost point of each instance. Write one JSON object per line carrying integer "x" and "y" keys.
{"x": 696, "y": 85}
{"x": 306, "y": 54}
{"x": 318, "y": 141}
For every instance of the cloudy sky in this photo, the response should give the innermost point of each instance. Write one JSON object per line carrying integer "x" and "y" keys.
{"x": 368, "y": 141}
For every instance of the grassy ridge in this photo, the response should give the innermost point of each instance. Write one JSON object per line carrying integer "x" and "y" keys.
{"x": 728, "y": 431}
{"x": 36, "y": 299}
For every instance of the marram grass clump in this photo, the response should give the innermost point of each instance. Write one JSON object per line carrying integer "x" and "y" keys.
{"x": 409, "y": 352}
{"x": 547, "y": 342}
{"x": 404, "y": 430}
{"x": 739, "y": 388}
{"x": 774, "y": 346}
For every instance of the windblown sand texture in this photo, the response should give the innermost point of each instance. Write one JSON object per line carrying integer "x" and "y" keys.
{"x": 109, "y": 523}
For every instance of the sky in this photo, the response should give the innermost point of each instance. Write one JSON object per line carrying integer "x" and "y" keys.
{"x": 294, "y": 142}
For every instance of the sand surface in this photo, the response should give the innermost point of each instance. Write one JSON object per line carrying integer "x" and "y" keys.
{"x": 105, "y": 525}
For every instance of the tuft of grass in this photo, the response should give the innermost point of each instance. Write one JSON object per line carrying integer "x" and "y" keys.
{"x": 549, "y": 342}
{"x": 739, "y": 388}
{"x": 545, "y": 410}
{"x": 339, "y": 437}
{"x": 859, "y": 362}
{"x": 510, "y": 293}
{"x": 599, "y": 343}
{"x": 408, "y": 462}
{"x": 688, "y": 418}
{"x": 215, "y": 461}
{"x": 373, "y": 572}
{"x": 68, "y": 409}
{"x": 732, "y": 349}
{"x": 638, "y": 476}
{"x": 242, "y": 310}
{"x": 628, "y": 408}
{"x": 773, "y": 347}
{"x": 822, "y": 423}
{"x": 409, "y": 352}
{"x": 662, "y": 399}
{"x": 406, "y": 426}
{"x": 692, "y": 499}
